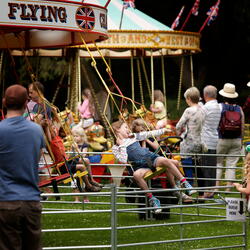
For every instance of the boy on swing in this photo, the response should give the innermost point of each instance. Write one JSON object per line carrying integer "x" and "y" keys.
{"x": 128, "y": 148}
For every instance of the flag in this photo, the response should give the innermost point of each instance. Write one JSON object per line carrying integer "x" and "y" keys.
{"x": 128, "y": 4}
{"x": 195, "y": 8}
{"x": 213, "y": 12}
{"x": 177, "y": 19}
{"x": 85, "y": 18}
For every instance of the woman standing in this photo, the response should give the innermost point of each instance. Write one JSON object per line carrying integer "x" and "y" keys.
{"x": 189, "y": 127}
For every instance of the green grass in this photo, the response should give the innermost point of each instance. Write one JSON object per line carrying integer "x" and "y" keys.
{"x": 167, "y": 232}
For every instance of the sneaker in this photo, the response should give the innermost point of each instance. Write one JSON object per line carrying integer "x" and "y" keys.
{"x": 185, "y": 198}
{"x": 186, "y": 184}
{"x": 154, "y": 202}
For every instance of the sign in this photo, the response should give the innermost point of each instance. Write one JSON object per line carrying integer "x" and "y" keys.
{"x": 236, "y": 209}
{"x": 152, "y": 39}
{"x": 56, "y": 16}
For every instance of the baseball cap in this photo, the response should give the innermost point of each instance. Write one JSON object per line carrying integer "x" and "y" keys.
{"x": 15, "y": 96}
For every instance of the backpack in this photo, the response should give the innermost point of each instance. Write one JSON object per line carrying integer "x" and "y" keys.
{"x": 230, "y": 122}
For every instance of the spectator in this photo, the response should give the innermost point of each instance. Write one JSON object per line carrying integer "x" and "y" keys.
{"x": 209, "y": 138}
{"x": 246, "y": 107}
{"x": 229, "y": 141}
{"x": 20, "y": 148}
{"x": 189, "y": 127}
{"x": 245, "y": 187}
{"x": 87, "y": 109}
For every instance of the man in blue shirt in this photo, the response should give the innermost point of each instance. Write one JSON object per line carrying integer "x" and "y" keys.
{"x": 20, "y": 149}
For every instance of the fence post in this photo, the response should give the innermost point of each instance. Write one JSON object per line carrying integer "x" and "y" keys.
{"x": 113, "y": 217}
{"x": 245, "y": 234}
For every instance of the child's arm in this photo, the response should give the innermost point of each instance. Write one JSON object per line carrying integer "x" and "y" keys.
{"x": 120, "y": 153}
{"x": 241, "y": 189}
{"x": 146, "y": 134}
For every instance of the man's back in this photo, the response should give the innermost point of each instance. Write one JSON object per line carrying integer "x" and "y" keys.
{"x": 209, "y": 134}
{"x": 20, "y": 146}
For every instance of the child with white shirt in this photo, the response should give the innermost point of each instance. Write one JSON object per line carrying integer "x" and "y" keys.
{"x": 128, "y": 148}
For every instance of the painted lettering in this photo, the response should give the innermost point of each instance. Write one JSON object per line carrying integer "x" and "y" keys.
{"x": 32, "y": 12}
{"x": 13, "y": 9}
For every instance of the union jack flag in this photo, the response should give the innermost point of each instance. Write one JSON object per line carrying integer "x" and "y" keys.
{"x": 177, "y": 19}
{"x": 85, "y": 18}
{"x": 128, "y": 4}
{"x": 213, "y": 12}
{"x": 196, "y": 7}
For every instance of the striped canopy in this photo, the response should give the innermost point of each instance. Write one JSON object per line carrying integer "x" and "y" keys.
{"x": 133, "y": 19}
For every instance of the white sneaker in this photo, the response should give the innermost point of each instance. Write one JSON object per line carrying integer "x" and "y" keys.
{"x": 154, "y": 202}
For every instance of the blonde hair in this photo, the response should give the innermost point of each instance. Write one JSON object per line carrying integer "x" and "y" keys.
{"x": 117, "y": 125}
{"x": 193, "y": 94}
{"x": 158, "y": 95}
{"x": 80, "y": 131}
{"x": 247, "y": 168}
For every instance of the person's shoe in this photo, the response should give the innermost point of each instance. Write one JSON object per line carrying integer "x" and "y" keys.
{"x": 185, "y": 198}
{"x": 208, "y": 195}
{"x": 96, "y": 184}
{"x": 186, "y": 184}
{"x": 93, "y": 189}
{"x": 154, "y": 202}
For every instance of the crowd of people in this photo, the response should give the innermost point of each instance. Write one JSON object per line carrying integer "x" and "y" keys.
{"x": 206, "y": 127}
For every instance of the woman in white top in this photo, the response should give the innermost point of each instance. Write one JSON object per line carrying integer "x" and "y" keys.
{"x": 190, "y": 125}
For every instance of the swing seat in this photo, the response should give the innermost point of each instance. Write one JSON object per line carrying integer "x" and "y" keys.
{"x": 50, "y": 180}
{"x": 78, "y": 174}
{"x": 150, "y": 174}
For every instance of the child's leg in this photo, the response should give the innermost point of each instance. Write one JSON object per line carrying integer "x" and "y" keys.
{"x": 173, "y": 167}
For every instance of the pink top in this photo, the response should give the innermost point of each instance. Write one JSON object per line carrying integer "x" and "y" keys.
{"x": 84, "y": 110}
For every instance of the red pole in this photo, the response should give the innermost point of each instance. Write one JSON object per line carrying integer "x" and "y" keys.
{"x": 204, "y": 24}
{"x": 186, "y": 20}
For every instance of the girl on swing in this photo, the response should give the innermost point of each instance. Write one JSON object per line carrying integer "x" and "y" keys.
{"x": 128, "y": 148}
{"x": 58, "y": 150}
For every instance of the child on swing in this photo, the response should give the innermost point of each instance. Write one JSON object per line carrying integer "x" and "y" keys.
{"x": 245, "y": 189}
{"x": 81, "y": 145}
{"x": 128, "y": 148}
{"x": 159, "y": 109}
{"x": 59, "y": 153}
{"x": 139, "y": 125}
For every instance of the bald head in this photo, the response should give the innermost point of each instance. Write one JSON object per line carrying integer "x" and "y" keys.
{"x": 209, "y": 93}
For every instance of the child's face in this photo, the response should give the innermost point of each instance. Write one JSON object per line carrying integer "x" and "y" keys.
{"x": 139, "y": 129}
{"x": 124, "y": 131}
{"x": 77, "y": 138}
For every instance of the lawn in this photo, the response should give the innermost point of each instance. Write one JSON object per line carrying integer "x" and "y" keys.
{"x": 159, "y": 230}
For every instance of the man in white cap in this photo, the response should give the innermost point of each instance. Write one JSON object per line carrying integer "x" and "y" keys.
{"x": 246, "y": 107}
{"x": 231, "y": 130}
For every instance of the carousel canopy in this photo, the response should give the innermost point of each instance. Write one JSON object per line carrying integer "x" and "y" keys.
{"x": 131, "y": 28}
{"x": 37, "y": 24}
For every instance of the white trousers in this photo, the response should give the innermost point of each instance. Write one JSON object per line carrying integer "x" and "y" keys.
{"x": 229, "y": 147}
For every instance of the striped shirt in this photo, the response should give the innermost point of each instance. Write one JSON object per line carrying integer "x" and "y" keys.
{"x": 209, "y": 133}
{"x": 120, "y": 152}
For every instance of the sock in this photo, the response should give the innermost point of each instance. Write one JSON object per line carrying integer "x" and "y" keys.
{"x": 149, "y": 195}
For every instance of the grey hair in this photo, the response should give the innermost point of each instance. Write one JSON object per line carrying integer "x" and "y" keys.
{"x": 193, "y": 94}
{"x": 210, "y": 91}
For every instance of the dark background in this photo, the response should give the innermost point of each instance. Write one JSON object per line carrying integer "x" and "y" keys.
{"x": 224, "y": 44}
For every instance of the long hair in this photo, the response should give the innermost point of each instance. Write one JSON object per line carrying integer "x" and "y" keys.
{"x": 158, "y": 95}
{"x": 86, "y": 92}
{"x": 247, "y": 168}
